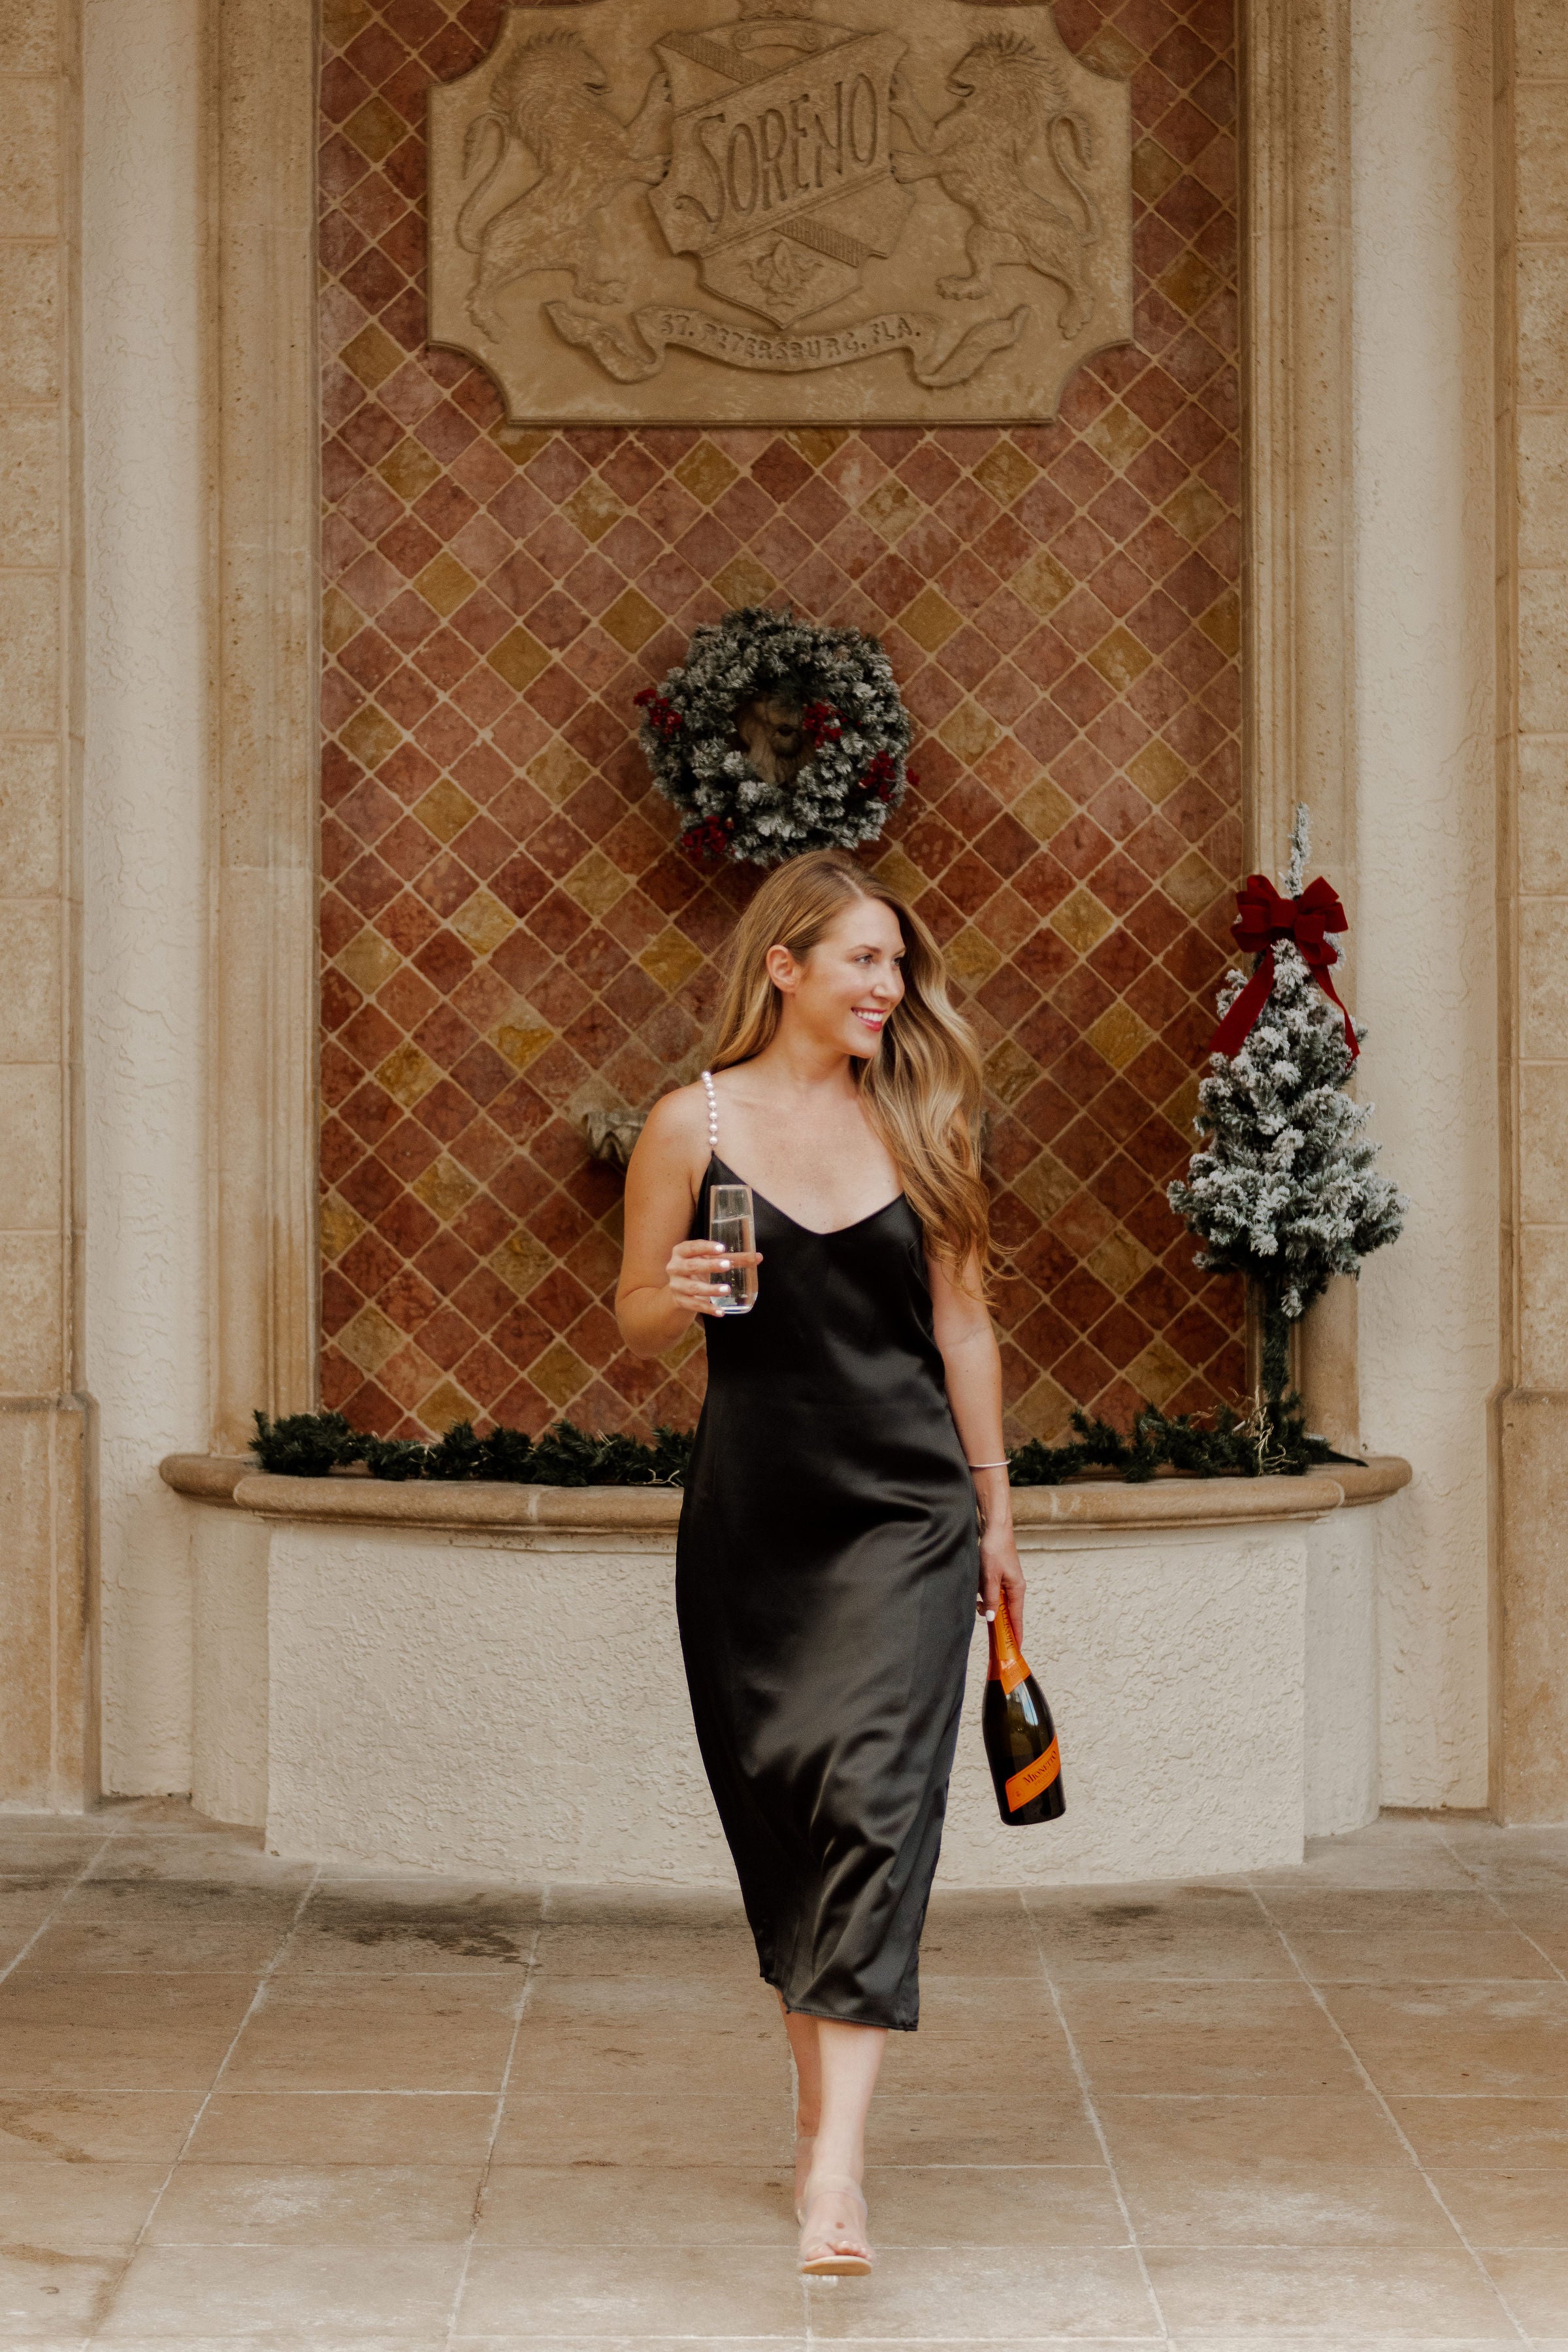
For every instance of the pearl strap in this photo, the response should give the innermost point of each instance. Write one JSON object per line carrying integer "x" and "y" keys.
{"x": 712, "y": 1111}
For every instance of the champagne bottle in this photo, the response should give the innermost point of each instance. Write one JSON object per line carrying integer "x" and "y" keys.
{"x": 1020, "y": 1739}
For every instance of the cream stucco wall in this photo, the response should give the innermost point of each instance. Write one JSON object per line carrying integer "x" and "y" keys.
{"x": 453, "y": 1701}
{"x": 144, "y": 1339}
{"x": 1425, "y": 956}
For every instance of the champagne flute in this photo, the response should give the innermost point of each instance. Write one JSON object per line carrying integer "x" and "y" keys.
{"x": 732, "y": 1221}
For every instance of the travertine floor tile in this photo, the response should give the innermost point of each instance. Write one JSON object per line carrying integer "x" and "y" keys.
{"x": 772, "y": 2343}
{"x": 60, "y": 2127}
{"x": 67, "y": 2207}
{"x": 710, "y": 2205}
{"x": 1486, "y": 2131}
{"x": 599, "y": 2128}
{"x": 1278, "y": 2201}
{"x": 44, "y": 2294}
{"x": 330, "y": 2205}
{"x": 22, "y": 1910}
{"x": 1544, "y": 1919}
{"x": 1536, "y": 2286}
{"x": 108, "y": 2032}
{"x": 330, "y": 2189}
{"x": 1205, "y": 2038}
{"x": 1513, "y": 1861}
{"x": 653, "y": 2291}
{"x": 944, "y": 2206}
{"x": 300, "y": 2127}
{"x": 1508, "y": 2209}
{"x": 216, "y": 1857}
{"x": 654, "y": 2004}
{"x": 172, "y": 2293}
{"x": 1264, "y": 2291}
{"x": 1336, "y": 2342}
{"x": 45, "y": 1857}
{"x": 966, "y": 2128}
{"x": 1384, "y": 1855}
{"x": 288, "y": 2339}
{"x": 429, "y": 1927}
{"x": 1348, "y": 2128}
{"x": 1135, "y": 1932}
{"x": 206, "y": 1948}
{"x": 188, "y": 1903}
{"x": 978, "y": 1935}
{"x": 572, "y": 1952}
{"x": 1008, "y": 2296}
{"x": 1415, "y": 1955}
{"x": 1308, "y": 1903}
{"x": 1457, "y": 2037}
{"x": 355, "y": 2033}
{"x": 676, "y": 2056}
{"x": 291, "y": 2339}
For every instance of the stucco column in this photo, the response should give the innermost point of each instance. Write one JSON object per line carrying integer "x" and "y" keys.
{"x": 46, "y": 1749}
{"x": 1424, "y": 955}
{"x": 1531, "y": 1762}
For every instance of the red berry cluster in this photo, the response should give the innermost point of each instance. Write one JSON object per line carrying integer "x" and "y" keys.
{"x": 709, "y": 839}
{"x": 881, "y": 776}
{"x": 662, "y": 716}
{"x": 820, "y": 724}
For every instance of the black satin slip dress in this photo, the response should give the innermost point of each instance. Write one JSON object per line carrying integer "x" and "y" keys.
{"x": 825, "y": 1577}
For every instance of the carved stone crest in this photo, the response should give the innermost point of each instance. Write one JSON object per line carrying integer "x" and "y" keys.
{"x": 759, "y": 213}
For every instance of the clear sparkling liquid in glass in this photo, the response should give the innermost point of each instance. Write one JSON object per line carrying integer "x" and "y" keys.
{"x": 732, "y": 1221}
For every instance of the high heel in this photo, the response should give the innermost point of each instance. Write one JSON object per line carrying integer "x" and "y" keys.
{"x": 834, "y": 2252}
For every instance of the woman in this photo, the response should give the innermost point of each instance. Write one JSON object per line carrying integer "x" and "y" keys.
{"x": 831, "y": 1549}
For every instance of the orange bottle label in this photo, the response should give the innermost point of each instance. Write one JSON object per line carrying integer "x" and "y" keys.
{"x": 1006, "y": 1666}
{"x": 1025, "y": 1786}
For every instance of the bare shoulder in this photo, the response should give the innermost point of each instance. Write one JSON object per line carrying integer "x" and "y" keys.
{"x": 676, "y": 1128}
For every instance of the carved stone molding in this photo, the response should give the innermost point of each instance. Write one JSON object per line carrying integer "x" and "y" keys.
{"x": 677, "y": 211}
{"x": 263, "y": 992}
{"x": 1297, "y": 608}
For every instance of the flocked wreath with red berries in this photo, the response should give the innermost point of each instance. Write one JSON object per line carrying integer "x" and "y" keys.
{"x": 775, "y": 736}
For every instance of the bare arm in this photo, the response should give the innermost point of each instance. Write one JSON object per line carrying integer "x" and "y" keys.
{"x": 666, "y": 1280}
{"x": 973, "y": 1369}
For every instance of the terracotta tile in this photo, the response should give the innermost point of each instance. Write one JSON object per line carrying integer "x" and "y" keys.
{"x": 923, "y": 524}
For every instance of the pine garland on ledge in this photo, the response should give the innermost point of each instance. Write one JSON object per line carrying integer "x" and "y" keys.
{"x": 313, "y": 1445}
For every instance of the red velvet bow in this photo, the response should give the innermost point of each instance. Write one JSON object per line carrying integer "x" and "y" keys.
{"x": 1262, "y": 915}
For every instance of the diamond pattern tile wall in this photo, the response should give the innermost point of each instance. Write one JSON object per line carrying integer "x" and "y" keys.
{"x": 509, "y": 936}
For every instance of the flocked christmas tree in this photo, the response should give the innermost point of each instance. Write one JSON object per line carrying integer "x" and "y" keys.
{"x": 1284, "y": 1189}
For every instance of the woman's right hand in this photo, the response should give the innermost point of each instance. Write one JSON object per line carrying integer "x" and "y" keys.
{"x": 690, "y": 1271}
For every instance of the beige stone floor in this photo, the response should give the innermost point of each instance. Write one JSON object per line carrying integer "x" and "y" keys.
{"x": 246, "y": 2105}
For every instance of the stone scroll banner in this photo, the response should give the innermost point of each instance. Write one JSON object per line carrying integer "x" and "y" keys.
{"x": 677, "y": 211}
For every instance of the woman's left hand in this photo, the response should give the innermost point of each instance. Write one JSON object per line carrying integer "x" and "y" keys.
{"x": 1000, "y": 1572}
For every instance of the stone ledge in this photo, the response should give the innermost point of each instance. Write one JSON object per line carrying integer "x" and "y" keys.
{"x": 230, "y": 1481}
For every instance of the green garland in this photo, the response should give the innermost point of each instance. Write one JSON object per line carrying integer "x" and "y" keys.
{"x": 1269, "y": 1442}
{"x": 311, "y": 1444}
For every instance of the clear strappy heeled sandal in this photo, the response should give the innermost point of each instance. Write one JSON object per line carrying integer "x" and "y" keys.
{"x": 830, "y": 2250}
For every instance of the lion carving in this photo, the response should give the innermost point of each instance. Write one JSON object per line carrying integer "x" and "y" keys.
{"x": 549, "y": 99}
{"x": 1009, "y": 100}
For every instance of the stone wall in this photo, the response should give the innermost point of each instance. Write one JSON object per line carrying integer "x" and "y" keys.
{"x": 1530, "y": 1750}
{"x": 46, "y": 1716}
{"x": 509, "y": 936}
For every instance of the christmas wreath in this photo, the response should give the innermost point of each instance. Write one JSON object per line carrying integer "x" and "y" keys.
{"x": 775, "y": 736}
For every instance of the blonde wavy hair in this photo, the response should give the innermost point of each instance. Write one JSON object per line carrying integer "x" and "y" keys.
{"x": 921, "y": 1090}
